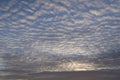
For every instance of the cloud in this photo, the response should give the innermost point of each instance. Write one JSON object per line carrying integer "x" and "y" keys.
{"x": 45, "y": 28}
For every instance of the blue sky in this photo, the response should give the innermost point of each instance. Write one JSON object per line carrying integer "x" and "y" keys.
{"x": 59, "y": 27}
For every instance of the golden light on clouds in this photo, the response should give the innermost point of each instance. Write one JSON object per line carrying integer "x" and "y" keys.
{"x": 77, "y": 66}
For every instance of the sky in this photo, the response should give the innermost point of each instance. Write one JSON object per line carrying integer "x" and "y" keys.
{"x": 47, "y": 35}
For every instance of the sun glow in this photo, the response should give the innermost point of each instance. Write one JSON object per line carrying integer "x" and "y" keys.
{"x": 78, "y": 66}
